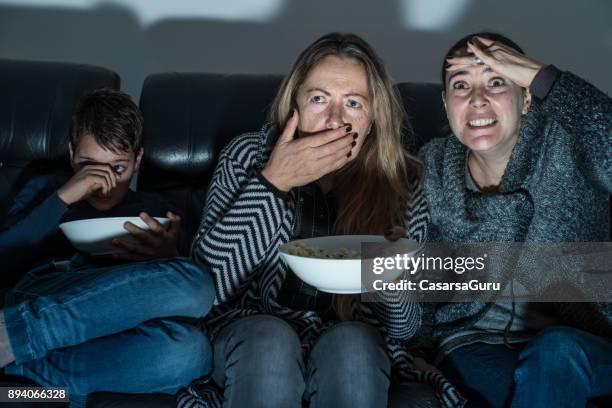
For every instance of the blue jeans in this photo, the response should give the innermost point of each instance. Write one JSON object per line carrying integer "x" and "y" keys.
{"x": 559, "y": 367}
{"x": 259, "y": 363}
{"x": 124, "y": 328}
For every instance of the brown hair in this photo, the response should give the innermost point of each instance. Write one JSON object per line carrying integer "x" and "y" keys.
{"x": 111, "y": 117}
{"x": 383, "y": 167}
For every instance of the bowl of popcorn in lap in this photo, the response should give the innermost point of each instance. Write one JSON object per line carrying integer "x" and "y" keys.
{"x": 343, "y": 264}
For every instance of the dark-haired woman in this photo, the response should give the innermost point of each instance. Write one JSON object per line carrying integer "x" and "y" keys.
{"x": 530, "y": 160}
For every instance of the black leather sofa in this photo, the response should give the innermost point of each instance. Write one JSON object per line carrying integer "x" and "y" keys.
{"x": 189, "y": 117}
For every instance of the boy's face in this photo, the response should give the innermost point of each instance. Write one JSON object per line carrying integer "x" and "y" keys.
{"x": 123, "y": 164}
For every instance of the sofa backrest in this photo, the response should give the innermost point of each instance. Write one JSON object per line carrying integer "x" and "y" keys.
{"x": 35, "y": 117}
{"x": 190, "y": 117}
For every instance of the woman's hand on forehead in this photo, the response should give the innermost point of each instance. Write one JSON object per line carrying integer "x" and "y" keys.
{"x": 501, "y": 58}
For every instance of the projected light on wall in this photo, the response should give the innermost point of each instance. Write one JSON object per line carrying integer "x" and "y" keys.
{"x": 432, "y": 15}
{"x": 149, "y": 12}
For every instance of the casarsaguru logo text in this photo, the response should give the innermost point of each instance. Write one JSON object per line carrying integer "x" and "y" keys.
{"x": 425, "y": 285}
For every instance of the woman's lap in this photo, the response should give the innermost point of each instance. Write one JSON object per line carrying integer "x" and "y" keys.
{"x": 258, "y": 359}
{"x": 494, "y": 375}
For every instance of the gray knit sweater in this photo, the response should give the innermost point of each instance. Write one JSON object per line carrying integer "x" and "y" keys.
{"x": 556, "y": 188}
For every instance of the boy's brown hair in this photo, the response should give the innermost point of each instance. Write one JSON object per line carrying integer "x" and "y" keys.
{"x": 111, "y": 117}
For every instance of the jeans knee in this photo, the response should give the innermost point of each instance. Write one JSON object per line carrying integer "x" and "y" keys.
{"x": 194, "y": 285}
{"x": 349, "y": 366}
{"x": 260, "y": 357}
{"x": 555, "y": 340}
{"x": 554, "y": 350}
{"x": 349, "y": 338}
{"x": 266, "y": 347}
{"x": 184, "y": 354}
{"x": 354, "y": 347}
{"x": 270, "y": 334}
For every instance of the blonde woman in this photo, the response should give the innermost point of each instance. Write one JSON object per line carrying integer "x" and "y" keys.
{"x": 330, "y": 162}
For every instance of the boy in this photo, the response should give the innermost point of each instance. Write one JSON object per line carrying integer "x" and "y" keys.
{"x": 95, "y": 328}
{"x": 105, "y": 151}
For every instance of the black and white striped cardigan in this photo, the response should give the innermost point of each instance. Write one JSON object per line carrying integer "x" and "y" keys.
{"x": 245, "y": 221}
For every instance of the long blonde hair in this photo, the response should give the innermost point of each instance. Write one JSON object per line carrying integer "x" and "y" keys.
{"x": 383, "y": 168}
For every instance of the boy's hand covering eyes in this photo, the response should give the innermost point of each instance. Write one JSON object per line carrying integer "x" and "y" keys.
{"x": 157, "y": 242}
{"x": 118, "y": 169}
{"x": 87, "y": 180}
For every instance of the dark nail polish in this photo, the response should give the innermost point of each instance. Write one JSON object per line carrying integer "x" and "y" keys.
{"x": 348, "y": 129}
{"x": 355, "y": 136}
{"x": 349, "y": 154}
{"x": 353, "y": 143}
